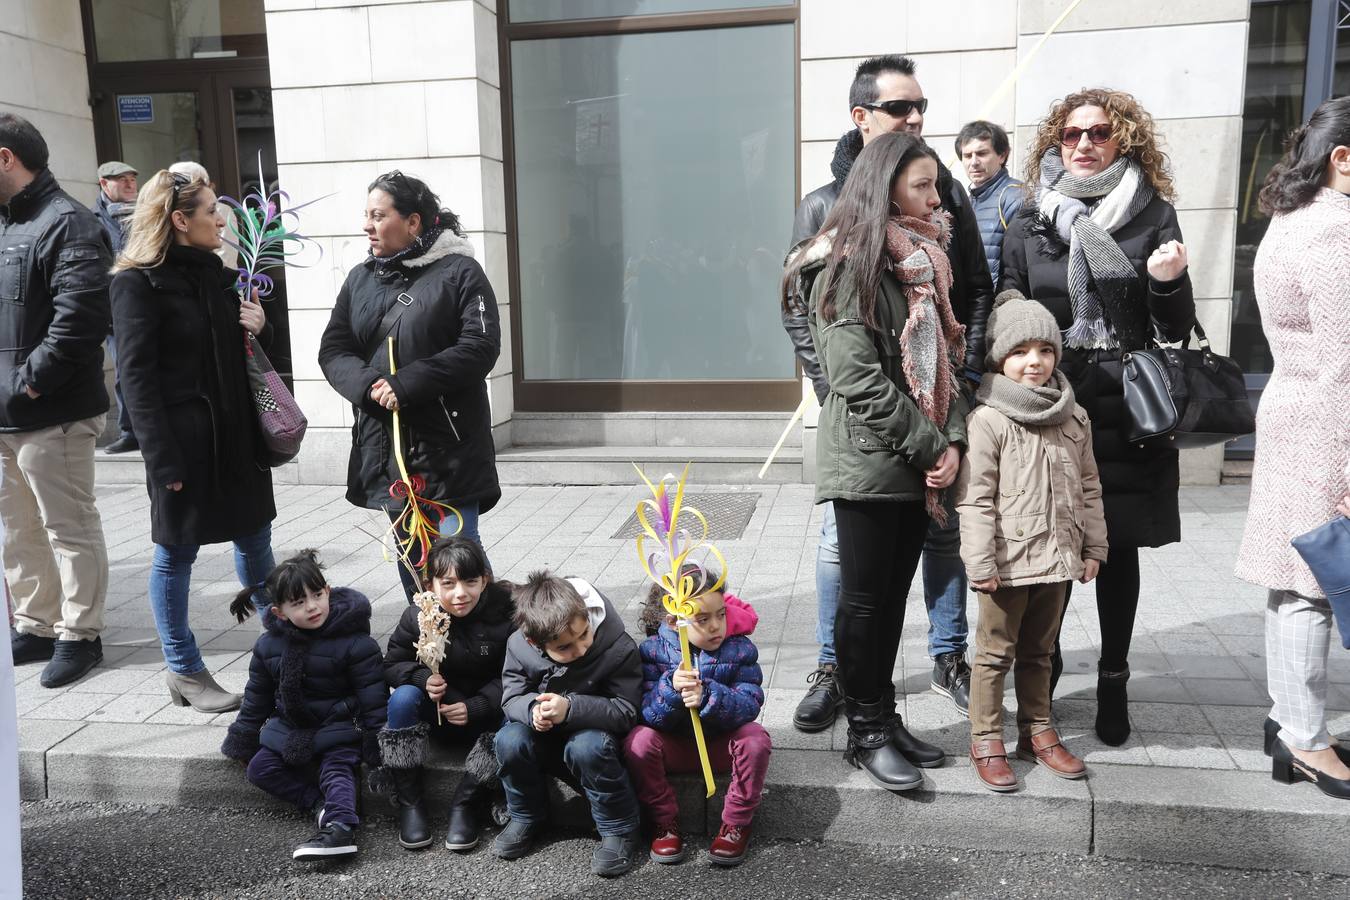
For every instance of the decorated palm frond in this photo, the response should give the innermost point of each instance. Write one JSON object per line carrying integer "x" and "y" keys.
{"x": 261, "y": 227}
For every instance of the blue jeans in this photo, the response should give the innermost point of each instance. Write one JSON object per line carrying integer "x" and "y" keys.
{"x": 469, "y": 512}
{"x": 590, "y": 760}
{"x": 944, "y": 587}
{"x": 171, "y": 577}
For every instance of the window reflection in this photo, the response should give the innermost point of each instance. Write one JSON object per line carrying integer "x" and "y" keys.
{"x": 130, "y": 30}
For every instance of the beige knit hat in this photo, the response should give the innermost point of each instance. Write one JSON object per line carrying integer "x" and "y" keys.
{"x": 1015, "y": 320}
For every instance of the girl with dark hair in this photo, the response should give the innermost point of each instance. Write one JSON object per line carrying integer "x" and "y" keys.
{"x": 877, "y": 277}
{"x": 1302, "y": 474}
{"x": 314, "y": 703}
{"x": 1098, "y": 244}
{"x": 421, "y": 286}
{"x": 180, "y": 339}
{"x": 460, "y": 702}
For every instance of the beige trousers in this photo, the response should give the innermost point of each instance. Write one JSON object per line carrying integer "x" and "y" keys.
{"x": 56, "y": 562}
{"x": 1017, "y": 625}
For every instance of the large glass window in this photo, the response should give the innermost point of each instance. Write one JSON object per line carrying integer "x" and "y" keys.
{"x": 559, "y": 10}
{"x": 1277, "y": 58}
{"x": 131, "y": 30}
{"x": 653, "y": 202}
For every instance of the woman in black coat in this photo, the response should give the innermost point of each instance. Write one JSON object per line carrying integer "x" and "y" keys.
{"x": 421, "y": 286}
{"x": 1101, "y": 249}
{"x": 180, "y": 339}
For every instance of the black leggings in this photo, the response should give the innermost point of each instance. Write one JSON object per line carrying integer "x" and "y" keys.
{"x": 1117, "y": 603}
{"x": 879, "y": 547}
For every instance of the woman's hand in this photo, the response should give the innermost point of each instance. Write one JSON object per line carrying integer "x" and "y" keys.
{"x": 383, "y": 394}
{"x": 944, "y": 472}
{"x": 1344, "y": 506}
{"x": 251, "y": 315}
{"x": 1168, "y": 261}
{"x": 174, "y": 485}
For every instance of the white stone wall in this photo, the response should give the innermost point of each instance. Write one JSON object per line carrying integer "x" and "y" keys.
{"x": 43, "y": 78}
{"x": 360, "y": 88}
{"x": 1186, "y": 63}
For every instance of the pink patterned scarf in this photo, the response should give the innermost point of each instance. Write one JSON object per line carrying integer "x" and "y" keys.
{"x": 932, "y": 339}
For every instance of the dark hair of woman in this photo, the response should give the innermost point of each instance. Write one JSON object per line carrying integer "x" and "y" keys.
{"x": 859, "y": 220}
{"x": 287, "y": 582}
{"x": 1302, "y": 171}
{"x": 411, "y": 195}
{"x": 462, "y": 556}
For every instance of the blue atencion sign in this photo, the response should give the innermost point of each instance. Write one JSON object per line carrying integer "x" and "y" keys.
{"x": 135, "y": 109}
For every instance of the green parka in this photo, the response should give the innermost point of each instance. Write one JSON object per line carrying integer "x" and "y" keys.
{"x": 873, "y": 442}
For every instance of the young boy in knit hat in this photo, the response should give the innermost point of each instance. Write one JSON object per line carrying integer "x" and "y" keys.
{"x": 1030, "y": 504}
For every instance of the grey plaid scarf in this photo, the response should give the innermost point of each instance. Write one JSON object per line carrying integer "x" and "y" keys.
{"x": 1098, "y": 270}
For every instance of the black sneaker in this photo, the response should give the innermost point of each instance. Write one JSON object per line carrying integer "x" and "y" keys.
{"x": 71, "y": 661}
{"x": 125, "y": 444}
{"x": 515, "y": 840}
{"x": 817, "y": 710}
{"x": 30, "y": 647}
{"x": 332, "y": 840}
{"x": 614, "y": 856}
{"x": 951, "y": 678}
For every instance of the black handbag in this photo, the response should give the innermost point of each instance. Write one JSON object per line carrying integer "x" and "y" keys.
{"x": 1181, "y": 397}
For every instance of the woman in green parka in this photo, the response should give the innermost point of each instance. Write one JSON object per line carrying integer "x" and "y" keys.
{"x": 892, "y": 425}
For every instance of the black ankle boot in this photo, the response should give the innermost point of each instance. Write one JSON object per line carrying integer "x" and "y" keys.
{"x": 1113, "y": 707}
{"x": 414, "y": 831}
{"x": 920, "y": 753}
{"x": 870, "y": 748}
{"x": 463, "y": 831}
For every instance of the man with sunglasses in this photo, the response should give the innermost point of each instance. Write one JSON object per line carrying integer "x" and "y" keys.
{"x": 886, "y": 97}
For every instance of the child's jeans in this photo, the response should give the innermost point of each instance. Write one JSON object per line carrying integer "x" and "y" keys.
{"x": 296, "y": 785}
{"x": 589, "y": 760}
{"x": 409, "y": 705}
{"x": 1016, "y": 623}
{"x": 743, "y": 752}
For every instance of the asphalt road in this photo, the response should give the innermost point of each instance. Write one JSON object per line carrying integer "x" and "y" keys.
{"x": 104, "y": 850}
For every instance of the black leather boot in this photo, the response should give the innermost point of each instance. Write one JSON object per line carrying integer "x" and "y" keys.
{"x": 870, "y": 748}
{"x": 920, "y": 753}
{"x": 817, "y": 710}
{"x": 414, "y": 831}
{"x": 463, "y": 831}
{"x": 1113, "y": 707}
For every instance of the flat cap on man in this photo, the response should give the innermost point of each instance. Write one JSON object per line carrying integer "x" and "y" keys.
{"x": 114, "y": 168}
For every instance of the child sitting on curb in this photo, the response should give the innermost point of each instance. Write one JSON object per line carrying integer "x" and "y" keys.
{"x": 314, "y": 702}
{"x": 1031, "y": 522}
{"x": 725, "y": 687}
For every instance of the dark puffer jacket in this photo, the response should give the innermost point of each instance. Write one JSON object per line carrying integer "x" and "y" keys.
{"x": 1139, "y": 485}
{"x": 972, "y": 294}
{"x": 732, "y": 683}
{"x": 474, "y": 653}
{"x": 310, "y": 691}
{"x": 54, "y": 262}
{"x": 446, "y": 341}
{"x": 996, "y": 203}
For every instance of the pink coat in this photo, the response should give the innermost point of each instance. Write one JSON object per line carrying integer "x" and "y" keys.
{"x": 1302, "y": 467}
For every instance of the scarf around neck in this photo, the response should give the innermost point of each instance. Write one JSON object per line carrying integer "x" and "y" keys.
{"x": 931, "y": 338}
{"x": 1084, "y": 213}
{"x": 1050, "y": 404}
{"x": 424, "y": 242}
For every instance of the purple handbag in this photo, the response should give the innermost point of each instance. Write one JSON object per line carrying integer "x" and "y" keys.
{"x": 283, "y": 424}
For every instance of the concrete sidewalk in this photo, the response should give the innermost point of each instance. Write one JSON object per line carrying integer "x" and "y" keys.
{"x": 1190, "y": 785}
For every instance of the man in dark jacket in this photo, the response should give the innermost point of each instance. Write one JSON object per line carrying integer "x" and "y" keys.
{"x": 54, "y": 262}
{"x": 886, "y": 97}
{"x": 997, "y": 196}
{"x": 571, "y": 690}
{"x": 116, "y": 200}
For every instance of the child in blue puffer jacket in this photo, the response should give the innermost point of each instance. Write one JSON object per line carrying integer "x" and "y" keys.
{"x": 725, "y": 687}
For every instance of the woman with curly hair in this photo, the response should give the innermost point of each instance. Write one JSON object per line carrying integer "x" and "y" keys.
{"x": 1099, "y": 247}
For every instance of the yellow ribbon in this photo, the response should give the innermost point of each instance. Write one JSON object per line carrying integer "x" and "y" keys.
{"x": 414, "y": 521}
{"x": 680, "y": 594}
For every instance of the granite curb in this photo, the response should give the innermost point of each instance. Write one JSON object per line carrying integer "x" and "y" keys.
{"x": 1230, "y": 818}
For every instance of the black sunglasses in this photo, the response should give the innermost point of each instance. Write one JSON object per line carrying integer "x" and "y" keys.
{"x": 1098, "y": 134}
{"x": 899, "y": 109}
{"x": 179, "y": 181}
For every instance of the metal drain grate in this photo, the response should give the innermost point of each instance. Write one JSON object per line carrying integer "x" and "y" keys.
{"x": 727, "y": 515}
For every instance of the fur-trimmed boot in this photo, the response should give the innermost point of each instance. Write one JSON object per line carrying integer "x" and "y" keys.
{"x": 403, "y": 751}
{"x": 480, "y": 780}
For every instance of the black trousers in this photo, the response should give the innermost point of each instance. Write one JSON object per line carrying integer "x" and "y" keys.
{"x": 879, "y": 547}
{"x": 1117, "y": 605}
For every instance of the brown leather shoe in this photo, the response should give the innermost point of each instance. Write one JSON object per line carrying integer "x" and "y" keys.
{"x": 1045, "y": 749}
{"x": 990, "y": 762}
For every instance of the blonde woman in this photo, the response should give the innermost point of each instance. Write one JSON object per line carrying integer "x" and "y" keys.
{"x": 180, "y": 328}
{"x": 1099, "y": 246}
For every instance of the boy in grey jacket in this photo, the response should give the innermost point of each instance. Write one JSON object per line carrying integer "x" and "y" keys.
{"x": 571, "y": 690}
